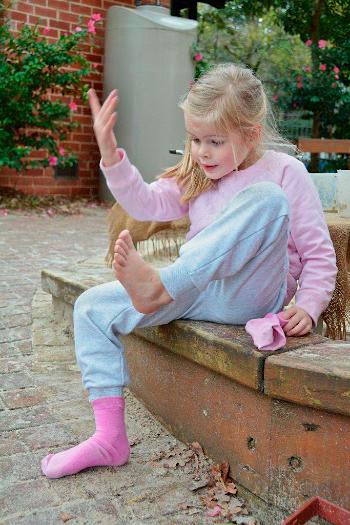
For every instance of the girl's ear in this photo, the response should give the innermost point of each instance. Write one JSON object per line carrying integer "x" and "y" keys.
{"x": 254, "y": 134}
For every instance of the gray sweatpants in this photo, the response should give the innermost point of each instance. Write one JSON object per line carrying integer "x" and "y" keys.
{"x": 234, "y": 270}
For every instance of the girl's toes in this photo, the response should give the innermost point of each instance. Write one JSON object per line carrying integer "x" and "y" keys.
{"x": 126, "y": 237}
{"x": 119, "y": 260}
{"x": 120, "y": 243}
{"x": 119, "y": 250}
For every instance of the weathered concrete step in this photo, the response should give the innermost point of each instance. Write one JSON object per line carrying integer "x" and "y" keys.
{"x": 299, "y": 373}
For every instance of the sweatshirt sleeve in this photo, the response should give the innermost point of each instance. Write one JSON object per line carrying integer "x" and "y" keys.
{"x": 310, "y": 234}
{"x": 158, "y": 201}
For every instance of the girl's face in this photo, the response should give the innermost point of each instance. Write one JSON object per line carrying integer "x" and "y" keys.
{"x": 217, "y": 154}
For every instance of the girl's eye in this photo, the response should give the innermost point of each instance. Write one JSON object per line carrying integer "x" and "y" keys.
{"x": 217, "y": 142}
{"x": 196, "y": 141}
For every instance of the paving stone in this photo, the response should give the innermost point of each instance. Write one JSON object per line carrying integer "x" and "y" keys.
{"x": 7, "y": 335}
{"x": 20, "y": 467}
{"x": 10, "y": 443}
{"x": 48, "y": 436}
{"x": 21, "y": 496}
{"x": 11, "y": 381}
{"x": 11, "y": 365}
{"x": 9, "y": 350}
{"x": 23, "y": 398}
{"x": 25, "y": 417}
{"x": 12, "y": 321}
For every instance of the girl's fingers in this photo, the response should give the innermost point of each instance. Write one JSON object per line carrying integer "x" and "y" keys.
{"x": 110, "y": 123}
{"x": 94, "y": 103}
{"x": 305, "y": 331}
{"x": 298, "y": 329}
{"x": 106, "y": 111}
{"x": 293, "y": 321}
{"x": 96, "y": 109}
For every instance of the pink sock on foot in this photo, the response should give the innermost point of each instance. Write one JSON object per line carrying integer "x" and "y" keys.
{"x": 108, "y": 446}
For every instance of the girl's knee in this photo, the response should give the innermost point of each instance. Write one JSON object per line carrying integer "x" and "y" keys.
{"x": 98, "y": 299}
{"x": 269, "y": 196}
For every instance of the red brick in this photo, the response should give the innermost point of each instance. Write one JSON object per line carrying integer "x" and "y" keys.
{"x": 95, "y": 3}
{"x": 60, "y": 5}
{"x": 24, "y": 8}
{"x": 80, "y": 9}
{"x": 68, "y": 17}
{"x": 60, "y": 25}
{"x": 19, "y": 17}
{"x": 46, "y": 12}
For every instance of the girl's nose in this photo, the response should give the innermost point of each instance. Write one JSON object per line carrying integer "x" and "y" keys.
{"x": 203, "y": 151}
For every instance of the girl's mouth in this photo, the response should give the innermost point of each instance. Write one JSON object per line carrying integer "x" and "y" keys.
{"x": 209, "y": 168}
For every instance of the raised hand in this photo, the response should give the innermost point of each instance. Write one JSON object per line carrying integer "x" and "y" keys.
{"x": 104, "y": 119}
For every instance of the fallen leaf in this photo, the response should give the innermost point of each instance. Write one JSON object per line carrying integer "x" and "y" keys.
{"x": 195, "y": 485}
{"x": 65, "y": 517}
{"x": 224, "y": 468}
{"x": 215, "y": 512}
{"x": 197, "y": 447}
{"x": 231, "y": 488}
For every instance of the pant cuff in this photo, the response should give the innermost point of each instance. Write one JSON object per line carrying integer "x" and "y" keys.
{"x": 176, "y": 280}
{"x": 97, "y": 393}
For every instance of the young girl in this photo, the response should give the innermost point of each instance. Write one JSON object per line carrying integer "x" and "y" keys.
{"x": 257, "y": 229}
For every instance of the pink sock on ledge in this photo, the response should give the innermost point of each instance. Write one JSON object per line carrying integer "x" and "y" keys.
{"x": 108, "y": 446}
{"x": 267, "y": 332}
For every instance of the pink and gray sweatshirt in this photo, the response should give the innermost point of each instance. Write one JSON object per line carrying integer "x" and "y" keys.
{"x": 312, "y": 262}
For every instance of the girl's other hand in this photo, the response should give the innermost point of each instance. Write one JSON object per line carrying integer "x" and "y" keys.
{"x": 104, "y": 119}
{"x": 299, "y": 322}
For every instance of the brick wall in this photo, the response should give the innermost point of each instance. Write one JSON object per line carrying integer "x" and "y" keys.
{"x": 61, "y": 16}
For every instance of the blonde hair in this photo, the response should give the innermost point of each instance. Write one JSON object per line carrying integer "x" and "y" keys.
{"x": 231, "y": 98}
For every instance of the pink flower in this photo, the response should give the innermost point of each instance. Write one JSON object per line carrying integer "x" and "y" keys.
{"x": 96, "y": 17}
{"x": 308, "y": 42}
{"x": 95, "y": 65}
{"x": 61, "y": 151}
{"x": 323, "y": 67}
{"x": 53, "y": 161}
{"x": 334, "y": 85}
{"x": 336, "y": 77}
{"x": 78, "y": 29}
{"x": 299, "y": 85}
{"x": 275, "y": 98}
{"x": 91, "y": 26}
{"x": 336, "y": 70}
{"x": 72, "y": 106}
{"x": 307, "y": 69}
{"x": 198, "y": 57}
{"x": 299, "y": 78}
{"x": 322, "y": 44}
{"x": 46, "y": 30}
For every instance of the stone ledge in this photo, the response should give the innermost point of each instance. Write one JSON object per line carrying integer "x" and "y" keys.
{"x": 311, "y": 371}
{"x": 317, "y": 376}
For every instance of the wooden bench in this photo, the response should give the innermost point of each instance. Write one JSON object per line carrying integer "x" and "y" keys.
{"x": 325, "y": 146}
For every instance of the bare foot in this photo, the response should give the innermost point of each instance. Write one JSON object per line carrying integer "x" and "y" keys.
{"x": 140, "y": 280}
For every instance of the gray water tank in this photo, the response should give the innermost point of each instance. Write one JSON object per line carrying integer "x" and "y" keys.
{"x": 148, "y": 59}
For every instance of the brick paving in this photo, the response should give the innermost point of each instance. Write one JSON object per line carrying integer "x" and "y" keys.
{"x": 42, "y": 412}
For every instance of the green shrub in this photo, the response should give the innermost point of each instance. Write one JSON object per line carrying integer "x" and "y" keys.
{"x": 36, "y": 73}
